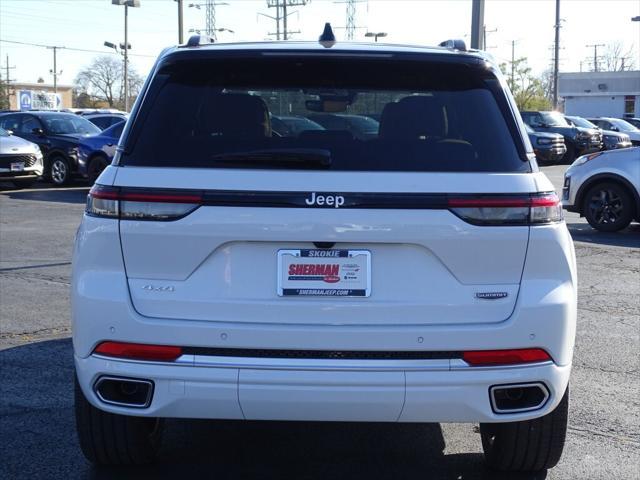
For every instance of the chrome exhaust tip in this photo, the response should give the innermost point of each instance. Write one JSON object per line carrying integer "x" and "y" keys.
{"x": 520, "y": 397}
{"x": 124, "y": 392}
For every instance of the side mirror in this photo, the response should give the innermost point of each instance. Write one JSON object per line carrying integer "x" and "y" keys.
{"x": 38, "y": 131}
{"x": 9, "y": 132}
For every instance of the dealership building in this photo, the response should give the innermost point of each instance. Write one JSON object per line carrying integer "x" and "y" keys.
{"x": 601, "y": 94}
{"x": 39, "y": 96}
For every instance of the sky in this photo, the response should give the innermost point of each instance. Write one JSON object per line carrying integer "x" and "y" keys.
{"x": 82, "y": 27}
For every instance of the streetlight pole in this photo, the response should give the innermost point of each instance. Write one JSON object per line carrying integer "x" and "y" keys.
{"x": 180, "y": 22}
{"x": 375, "y": 35}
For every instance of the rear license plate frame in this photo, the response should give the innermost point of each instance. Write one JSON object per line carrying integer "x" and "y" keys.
{"x": 354, "y": 272}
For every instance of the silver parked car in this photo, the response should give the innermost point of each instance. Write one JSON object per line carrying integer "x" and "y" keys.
{"x": 604, "y": 187}
{"x": 20, "y": 160}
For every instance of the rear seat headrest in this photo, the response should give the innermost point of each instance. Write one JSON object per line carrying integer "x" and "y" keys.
{"x": 236, "y": 115}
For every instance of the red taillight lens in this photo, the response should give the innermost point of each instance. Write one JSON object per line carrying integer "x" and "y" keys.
{"x": 507, "y": 210}
{"x": 137, "y": 351}
{"x": 135, "y": 204}
{"x": 505, "y": 357}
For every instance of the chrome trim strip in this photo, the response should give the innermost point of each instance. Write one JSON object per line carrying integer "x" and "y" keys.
{"x": 542, "y": 386}
{"x": 445, "y": 364}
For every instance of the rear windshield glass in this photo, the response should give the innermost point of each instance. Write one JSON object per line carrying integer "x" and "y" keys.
{"x": 334, "y": 114}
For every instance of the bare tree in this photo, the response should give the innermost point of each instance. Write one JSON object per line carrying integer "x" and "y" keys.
{"x": 102, "y": 81}
{"x": 617, "y": 58}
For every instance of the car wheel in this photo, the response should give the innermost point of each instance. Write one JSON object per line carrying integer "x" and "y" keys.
{"x": 24, "y": 183}
{"x": 608, "y": 207}
{"x": 111, "y": 439}
{"x": 529, "y": 445}
{"x": 96, "y": 166}
{"x": 59, "y": 171}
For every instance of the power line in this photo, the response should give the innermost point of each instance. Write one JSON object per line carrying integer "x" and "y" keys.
{"x": 73, "y": 48}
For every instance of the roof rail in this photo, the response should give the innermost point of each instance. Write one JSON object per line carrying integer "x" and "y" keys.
{"x": 197, "y": 40}
{"x": 455, "y": 44}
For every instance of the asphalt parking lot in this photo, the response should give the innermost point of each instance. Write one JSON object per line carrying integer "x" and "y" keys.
{"x": 37, "y": 435}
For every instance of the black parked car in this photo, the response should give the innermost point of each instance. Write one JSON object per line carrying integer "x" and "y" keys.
{"x": 611, "y": 140}
{"x": 548, "y": 147}
{"x": 579, "y": 141}
{"x": 58, "y": 136}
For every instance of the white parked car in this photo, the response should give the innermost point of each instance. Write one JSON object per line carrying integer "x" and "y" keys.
{"x": 20, "y": 160}
{"x": 604, "y": 188}
{"x": 618, "y": 125}
{"x": 423, "y": 274}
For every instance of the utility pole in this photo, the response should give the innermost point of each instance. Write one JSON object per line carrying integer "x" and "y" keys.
{"x": 4, "y": 90}
{"x": 477, "y": 23}
{"x": 485, "y": 45}
{"x": 126, "y": 58}
{"x": 513, "y": 62}
{"x": 283, "y": 4}
{"x": 556, "y": 56}
{"x": 127, "y": 4}
{"x": 595, "y": 55}
{"x": 55, "y": 72}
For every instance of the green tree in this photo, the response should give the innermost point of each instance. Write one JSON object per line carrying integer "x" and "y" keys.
{"x": 529, "y": 91}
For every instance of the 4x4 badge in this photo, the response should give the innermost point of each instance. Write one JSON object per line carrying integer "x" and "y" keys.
{"x": 491, "y": 295}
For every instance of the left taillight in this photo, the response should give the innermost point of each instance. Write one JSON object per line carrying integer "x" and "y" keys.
{"x": 140, "y": 204}
{"x": 508, "y": 210}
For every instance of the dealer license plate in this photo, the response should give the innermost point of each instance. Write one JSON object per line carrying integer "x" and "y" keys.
{"x": 324, "y": 273}
{"x": 17, "y": 167}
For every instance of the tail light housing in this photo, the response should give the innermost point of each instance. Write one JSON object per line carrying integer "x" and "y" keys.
{"x": 487, "y": 358}
{"x": 138, "y": 351}
{"x": 138, "y": 204}
{"x": 507, "y": 209}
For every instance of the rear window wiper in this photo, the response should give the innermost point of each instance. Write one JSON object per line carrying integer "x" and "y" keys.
{"x": 278, "y": 157}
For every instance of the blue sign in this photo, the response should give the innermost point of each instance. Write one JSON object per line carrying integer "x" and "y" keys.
{"x": 25, "y": 99}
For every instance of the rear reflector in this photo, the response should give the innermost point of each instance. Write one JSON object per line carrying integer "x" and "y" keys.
{"x": 137, "y": 351}
{"x": 505, "y": 357}
{"x": 507, "y": 210}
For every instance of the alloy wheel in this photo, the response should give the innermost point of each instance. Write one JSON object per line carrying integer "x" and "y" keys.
{"x": 59, "y": 171}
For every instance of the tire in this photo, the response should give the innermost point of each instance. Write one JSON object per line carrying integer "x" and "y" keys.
{"x": 24, "y": 183}
{"x": 526, "y": 446}
{"x": 96, "y": 166}
{"x": 59, "y": 172}
{"x": 110, "y": 439}
{"x": 608, "y": 207}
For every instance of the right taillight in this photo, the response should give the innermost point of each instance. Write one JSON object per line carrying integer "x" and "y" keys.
{"x": 507, "y": 210}
{"x": 138, "y": 204}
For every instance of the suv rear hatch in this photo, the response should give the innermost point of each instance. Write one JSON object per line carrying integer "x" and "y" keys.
{"x": 426, "y": 222}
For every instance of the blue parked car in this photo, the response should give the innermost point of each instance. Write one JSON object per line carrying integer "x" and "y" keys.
{"x": 96, "y": 152}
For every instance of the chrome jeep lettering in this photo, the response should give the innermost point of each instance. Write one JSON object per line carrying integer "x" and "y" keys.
{"x": 335, "y": 201}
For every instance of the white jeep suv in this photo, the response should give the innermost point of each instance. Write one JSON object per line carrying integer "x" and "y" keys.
{"x": 420, "y": 274}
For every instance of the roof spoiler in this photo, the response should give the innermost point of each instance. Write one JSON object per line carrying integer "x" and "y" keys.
{"x": 454, "y": 44}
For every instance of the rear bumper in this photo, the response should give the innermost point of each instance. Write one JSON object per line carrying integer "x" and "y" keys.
{"x": 323, "y": 391}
